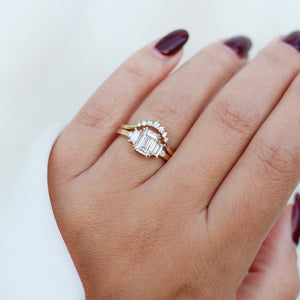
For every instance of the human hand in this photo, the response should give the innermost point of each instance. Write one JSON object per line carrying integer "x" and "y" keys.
{"x": 191, "y": 228}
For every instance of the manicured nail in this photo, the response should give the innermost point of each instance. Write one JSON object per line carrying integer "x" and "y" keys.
{"x": 293, "y": 39}
{"x": 296, "y": 219}
{"x": 240, "y": 45}
{"x": 173, "y": 42}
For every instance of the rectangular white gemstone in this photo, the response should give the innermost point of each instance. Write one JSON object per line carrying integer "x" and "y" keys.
{"x": 152, "y": 134}
{"x": 134, "y": 136}
{"x": 146, "y": 143}
{"x": 142, "y": 140}
{"x": 157, "y": 149}
{"x": 152, "y": 145}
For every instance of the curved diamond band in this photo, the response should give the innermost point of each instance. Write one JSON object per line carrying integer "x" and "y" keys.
{"x": 148, "y": 138}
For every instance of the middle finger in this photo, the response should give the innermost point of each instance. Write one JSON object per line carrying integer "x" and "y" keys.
{"x": 226, "y": 127}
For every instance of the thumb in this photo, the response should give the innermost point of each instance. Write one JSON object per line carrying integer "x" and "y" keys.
{"x": 274, "y": 272}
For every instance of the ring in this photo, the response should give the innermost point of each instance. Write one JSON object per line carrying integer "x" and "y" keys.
{"x": 148, "y": 138}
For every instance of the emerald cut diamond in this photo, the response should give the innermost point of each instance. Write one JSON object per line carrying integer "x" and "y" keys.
{"x": 146, "y": 141}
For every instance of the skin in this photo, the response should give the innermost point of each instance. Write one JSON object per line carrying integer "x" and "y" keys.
{"x": 200, "y": 226}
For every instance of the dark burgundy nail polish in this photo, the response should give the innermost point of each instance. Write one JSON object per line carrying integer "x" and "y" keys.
{"x": 296, "y": 219}
{"x": 240, "y": 45}
{"x": 173, "y": 42}
{"x": 293, "y": 39}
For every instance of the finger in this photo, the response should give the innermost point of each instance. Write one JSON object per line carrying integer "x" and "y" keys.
{"x": 94, "y": 127}
{"x": 177, "y": 102}
{"x": 256, "y": 189}
{"x": 274, "y": 272}
{"x": 225, "y": 128}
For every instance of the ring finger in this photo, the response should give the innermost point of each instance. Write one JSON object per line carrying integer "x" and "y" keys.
{"x": 177, "y": 105}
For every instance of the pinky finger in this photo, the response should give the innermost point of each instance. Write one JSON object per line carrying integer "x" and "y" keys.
{"x": 274, "y": 272}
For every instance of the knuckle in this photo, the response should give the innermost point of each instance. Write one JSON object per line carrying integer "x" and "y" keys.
{"x": 276, "y": 158}
{"x": 136, "y": 71}
{"x": 222, "y": 62}
{"x": 169, "y": 112}
{"x": 236, "y": 119}
{"x": 167, "y": 106}
{"x": 133, "y": 70}
{"x": 276, "y": 60}
{"x": 93, "y": 115}
{"x": 218, "y": 64}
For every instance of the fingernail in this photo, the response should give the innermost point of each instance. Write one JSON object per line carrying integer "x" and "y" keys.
{"x": 240, "y": 45}
{"x": 296, "y": 219}
{"x": 173, "y": 42}
{"x": 293, "y": 39}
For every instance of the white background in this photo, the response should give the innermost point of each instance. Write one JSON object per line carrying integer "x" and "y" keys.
{"x": 54, "y": 54}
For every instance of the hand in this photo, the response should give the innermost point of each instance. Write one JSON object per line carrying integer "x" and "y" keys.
{"x": 140, "y": 228}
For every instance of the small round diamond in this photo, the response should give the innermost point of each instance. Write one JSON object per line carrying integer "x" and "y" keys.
{"x": 144, "y": 123}
{"x": 164, "y": 135}
{"x": 162, "y": 153}
{"x": 156, "y": 124}
{"x": 150, "y": 122}
{"x": 166, "y": 139}
{"x": 139, "y": 124}
{"x": 161, "y": 129}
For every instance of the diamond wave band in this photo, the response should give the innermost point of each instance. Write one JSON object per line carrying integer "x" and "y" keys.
{"x": 148, "y": 138}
